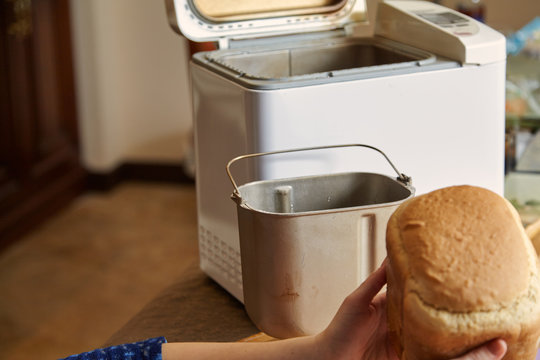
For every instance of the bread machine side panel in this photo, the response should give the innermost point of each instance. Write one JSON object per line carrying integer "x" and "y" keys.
{"x": 220, "y": 134}
{"x": 443, "y": 127}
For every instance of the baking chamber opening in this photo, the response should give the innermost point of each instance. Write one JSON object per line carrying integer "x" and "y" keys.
{"x": 327, "y": 58}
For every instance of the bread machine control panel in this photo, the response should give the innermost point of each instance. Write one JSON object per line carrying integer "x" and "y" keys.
{"x": 451, "y": 21}
{"x": 440, "y": 30}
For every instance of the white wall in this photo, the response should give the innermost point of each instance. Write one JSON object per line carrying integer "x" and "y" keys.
{"x": 132, "y": 83}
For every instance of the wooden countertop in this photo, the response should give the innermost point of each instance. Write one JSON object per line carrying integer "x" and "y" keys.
{"x": 194, "y": 308}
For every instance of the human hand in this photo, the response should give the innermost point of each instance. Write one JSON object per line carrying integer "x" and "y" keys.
{"x": 359, "y": 329}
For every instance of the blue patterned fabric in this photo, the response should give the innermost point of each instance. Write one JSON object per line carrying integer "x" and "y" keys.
{"x": 149, "y": 349}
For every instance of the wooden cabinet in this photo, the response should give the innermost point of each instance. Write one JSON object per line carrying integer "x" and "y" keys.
{"x": 39, "y": 156}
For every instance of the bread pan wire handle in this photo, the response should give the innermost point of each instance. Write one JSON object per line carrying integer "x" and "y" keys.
{"x": 236, "y": 193}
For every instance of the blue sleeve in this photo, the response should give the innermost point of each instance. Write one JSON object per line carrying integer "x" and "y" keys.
{"x": 149, "y": 349}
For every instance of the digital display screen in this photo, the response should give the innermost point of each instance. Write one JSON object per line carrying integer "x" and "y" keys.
{"x": 445, "y": 18}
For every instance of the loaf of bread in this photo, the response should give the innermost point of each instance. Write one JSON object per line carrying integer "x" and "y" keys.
{"x": 461, "y": 271}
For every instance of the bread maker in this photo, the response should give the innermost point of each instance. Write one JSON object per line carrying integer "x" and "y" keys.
{"x": 422, "y": 82}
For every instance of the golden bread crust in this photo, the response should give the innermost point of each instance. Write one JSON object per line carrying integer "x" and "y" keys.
{"x": 461, "y": 271}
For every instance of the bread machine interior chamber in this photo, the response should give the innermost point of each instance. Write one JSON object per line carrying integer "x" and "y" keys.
{"x": 421, "y": 82}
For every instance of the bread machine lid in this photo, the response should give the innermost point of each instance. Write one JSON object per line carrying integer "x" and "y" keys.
{"x": 224, "y": 20}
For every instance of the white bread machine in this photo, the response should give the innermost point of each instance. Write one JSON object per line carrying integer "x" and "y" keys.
{"x": 421, "y": 82}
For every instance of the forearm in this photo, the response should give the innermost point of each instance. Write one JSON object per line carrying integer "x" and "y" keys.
{"x": 296, "y": 348}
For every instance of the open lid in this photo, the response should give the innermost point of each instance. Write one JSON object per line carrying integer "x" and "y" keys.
{"x": 224, "y": 20}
